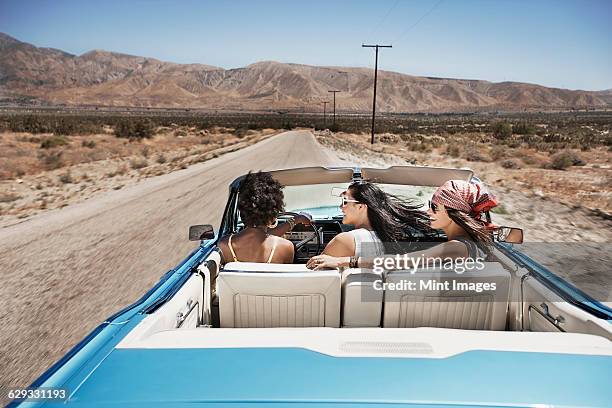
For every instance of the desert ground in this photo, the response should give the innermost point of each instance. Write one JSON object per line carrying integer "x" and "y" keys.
{"x": 101, "y": 240}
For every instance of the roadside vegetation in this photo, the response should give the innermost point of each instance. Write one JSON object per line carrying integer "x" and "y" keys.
{"x": 535, "y": 149}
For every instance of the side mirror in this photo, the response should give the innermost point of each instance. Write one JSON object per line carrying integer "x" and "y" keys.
{"x": 201, "y": 232}
{"x": 509, "y": 235}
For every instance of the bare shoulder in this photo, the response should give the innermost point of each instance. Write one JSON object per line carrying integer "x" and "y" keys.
{"x": 284, "y": 250}
{"x": 342, "y": 244}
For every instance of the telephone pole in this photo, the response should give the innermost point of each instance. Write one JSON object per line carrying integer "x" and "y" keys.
{"x": 375, "y": 79}
{"x": 324, "y": 114}
{"x": 334, "y": 92}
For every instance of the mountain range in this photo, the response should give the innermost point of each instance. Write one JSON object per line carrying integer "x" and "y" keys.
{"x": 51, "y": 76}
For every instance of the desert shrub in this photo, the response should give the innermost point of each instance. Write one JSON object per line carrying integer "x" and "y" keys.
{"x": 436, "y": 141}
{"x": 510, "y": 164}
{"x": 531, "y": 159}
{"x": 523, "y": 128}
{"x": 161, "y": 159}
{"x": 498, "y": 152}
{"x": 565, "y": 159}
{"x": 134, "y": 129}
{"x": 473, "y": 153}
{"x": 66, "y": 178}
{"x": 288, "y": 124}
{"x": 453, "y": 150}
{"x": 388, "y": 138}
{"x": 54, "y": 141}
{"x": 138, "y": 163}
{"x": 240, "y": 132}
{"x": 52, "y": 160}
{"x": 501, "y": 130}
{"x": 88, "y": 143}
{"x": 332, "y": 127}
{"x": 180, "y": 133}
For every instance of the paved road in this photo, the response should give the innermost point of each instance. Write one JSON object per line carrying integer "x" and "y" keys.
{"x": 65, "y": 271}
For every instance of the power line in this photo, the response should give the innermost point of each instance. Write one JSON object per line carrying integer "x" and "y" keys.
{"x": 376, "y": 46}
{"x": 380, "y": 23}
{"x": 418, "y": 21}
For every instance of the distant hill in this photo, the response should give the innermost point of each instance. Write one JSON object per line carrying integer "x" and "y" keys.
{"x": 113, "y": 79}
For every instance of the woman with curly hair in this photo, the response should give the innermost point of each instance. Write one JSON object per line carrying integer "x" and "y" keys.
{"x": 259, "y": 202}
{"x": 456, "y": 208}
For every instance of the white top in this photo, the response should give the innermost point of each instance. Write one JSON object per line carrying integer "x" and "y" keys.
{"x": 367, "y": 243}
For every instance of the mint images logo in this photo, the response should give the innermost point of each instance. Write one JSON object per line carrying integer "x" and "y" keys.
{"x": 434, "y": 285}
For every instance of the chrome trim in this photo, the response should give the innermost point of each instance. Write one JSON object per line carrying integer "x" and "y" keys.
{"x": 552, "y": 320}
{"x": 181, "y": 317}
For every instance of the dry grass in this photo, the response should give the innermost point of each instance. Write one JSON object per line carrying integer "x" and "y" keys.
{"x": 24, "y": 154}
{"x": 585, "y": 182}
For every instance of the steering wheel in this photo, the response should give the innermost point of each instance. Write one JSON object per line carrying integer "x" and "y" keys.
{"x": 314, "y": 235}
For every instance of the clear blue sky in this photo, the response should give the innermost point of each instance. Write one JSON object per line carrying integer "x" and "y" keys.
{"x": 559, "y": 43}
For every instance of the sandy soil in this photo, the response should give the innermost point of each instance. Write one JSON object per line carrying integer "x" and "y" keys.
{"x": 65, "y": 271}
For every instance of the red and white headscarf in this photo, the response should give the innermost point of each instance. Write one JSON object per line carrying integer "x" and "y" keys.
{"x": 471, "y": 198}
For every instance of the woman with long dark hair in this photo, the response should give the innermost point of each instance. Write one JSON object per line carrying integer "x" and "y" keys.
{"x": 456, "y": 207}
{"x": 380, "y": 220}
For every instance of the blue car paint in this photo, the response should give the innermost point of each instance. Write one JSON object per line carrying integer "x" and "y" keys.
{"x": 294, "y": 375}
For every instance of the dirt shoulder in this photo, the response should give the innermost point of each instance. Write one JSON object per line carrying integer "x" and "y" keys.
{"x": 91, "y": 165}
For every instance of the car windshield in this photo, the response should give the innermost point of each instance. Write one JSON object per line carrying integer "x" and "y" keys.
{"x": 322, "y": 201}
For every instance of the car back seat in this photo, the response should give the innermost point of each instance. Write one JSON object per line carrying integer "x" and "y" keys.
{"x": 452, "y": 308}
{"x": 361, "y": 303}
{"x": 277, "y": 295}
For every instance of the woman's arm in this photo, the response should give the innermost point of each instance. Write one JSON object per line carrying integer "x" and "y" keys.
{"x": 451, "y": 249}
{"x": 285, "y": 227}
{"x": 337, "y": 253}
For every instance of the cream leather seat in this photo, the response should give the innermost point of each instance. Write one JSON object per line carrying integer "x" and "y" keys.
{"x": 361, "y": 303}
{"x": 277, "y": 295}
{"x": 451, "y": 307}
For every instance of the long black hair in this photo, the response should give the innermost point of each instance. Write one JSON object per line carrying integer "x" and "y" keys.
{"x": 476, "y": 229}
{"x": 392, "y": 218}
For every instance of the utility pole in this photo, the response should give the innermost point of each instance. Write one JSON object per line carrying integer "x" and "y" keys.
{"x": 375, "y": 78}
{"x": 334, "y": 92}
{"x": 324, "y": 114}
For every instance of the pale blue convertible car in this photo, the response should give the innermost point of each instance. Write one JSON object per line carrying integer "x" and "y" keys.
{"x": 248, "y": 334}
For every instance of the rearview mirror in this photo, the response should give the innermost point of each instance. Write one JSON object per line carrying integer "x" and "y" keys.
{"x": 509, "y": 235}
{"x": 200, "y": 232}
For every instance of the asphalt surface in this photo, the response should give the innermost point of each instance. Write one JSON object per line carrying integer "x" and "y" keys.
{"x": 65, "y": 271}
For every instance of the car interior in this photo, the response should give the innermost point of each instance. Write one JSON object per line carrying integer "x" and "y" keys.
{"x": 258, "y": 295}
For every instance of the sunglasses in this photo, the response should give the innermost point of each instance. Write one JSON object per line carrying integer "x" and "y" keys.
{"x": 433, "y": 206}
{"x": 347, "y": 200}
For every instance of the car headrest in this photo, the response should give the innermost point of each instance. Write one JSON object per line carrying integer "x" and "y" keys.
{"x": 263, "y": 267}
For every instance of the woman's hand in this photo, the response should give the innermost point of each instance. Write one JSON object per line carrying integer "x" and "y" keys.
{"x": 327, "y": 262}
{"x": 301, "y": 219}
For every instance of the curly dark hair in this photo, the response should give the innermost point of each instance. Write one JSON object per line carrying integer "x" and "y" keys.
{"x": 261, "y": 199}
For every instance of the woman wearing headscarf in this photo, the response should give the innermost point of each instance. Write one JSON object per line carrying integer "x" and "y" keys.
{"x": 457, "y": 208}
